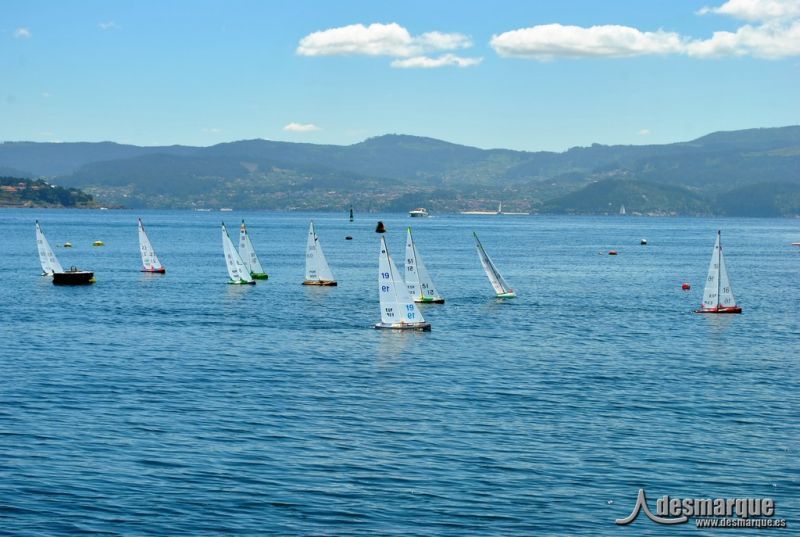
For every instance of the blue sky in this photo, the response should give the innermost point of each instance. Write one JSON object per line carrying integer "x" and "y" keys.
{"x": 521, "y": 75}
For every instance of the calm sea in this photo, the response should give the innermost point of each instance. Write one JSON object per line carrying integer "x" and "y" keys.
{"x": 178, "y": 404}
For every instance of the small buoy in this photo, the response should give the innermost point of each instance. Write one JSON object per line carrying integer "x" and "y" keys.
{"x": 348, "y": 238}
{"x": 685, "y": 286}
{"x": 612, "y": 252}
{"x": 67, "y": 245}
{"x": 380, "y": 228}
{"x": 643, "y": 242}
{"x": 98, "y": 243}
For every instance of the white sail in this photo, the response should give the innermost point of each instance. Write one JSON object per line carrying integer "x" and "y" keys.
{"x": 236, "y": 268}
{"x": 396, "y": 304}
{"x": 711, "y": 291}
{"x": 149, "y": 259}
{"x": 248, "y": 253}
{"x": 317, "y": 268}
{"x": 47, "y": 258}
{"x": 418, "y": 280}
{"x": 499, "y": 284}
{"x": 726, "y": 299}
{"x": 622, "y": 210}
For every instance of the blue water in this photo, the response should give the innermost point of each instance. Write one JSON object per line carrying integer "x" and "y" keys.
{"x": 178, "y": 404}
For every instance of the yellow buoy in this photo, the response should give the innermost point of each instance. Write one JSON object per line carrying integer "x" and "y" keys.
{"x": 67, "y": 245}
{"x": 98, "y": 243}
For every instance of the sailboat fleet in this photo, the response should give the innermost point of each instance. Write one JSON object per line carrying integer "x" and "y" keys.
{"x": 499, "y": 284}
{"x": 398, "y": 292}
{"x": 317, "y": 270}
{"x": 418, "y": 280}
{"x": 237, "y": 270}
{"x": 398, "y": 310}
{"x": 248, "y": 255}
{"x": 718, "y": 294}
{"x": 52, "y": 267}
{"x": 150, "y": 262}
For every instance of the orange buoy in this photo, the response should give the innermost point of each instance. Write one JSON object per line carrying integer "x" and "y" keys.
{"x": 612, "y": 252}
{"x": 685, "y": 286}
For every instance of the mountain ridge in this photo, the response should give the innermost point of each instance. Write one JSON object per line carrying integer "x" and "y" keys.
{"x": 381, "y": 171}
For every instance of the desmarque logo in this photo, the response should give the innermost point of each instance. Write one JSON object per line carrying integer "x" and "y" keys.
{"x": 708, "y": 512}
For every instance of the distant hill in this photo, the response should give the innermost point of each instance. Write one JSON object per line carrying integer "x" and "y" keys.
{"x": 19, "y": 192}
{"x": 762, "y": 199}
{"x": 638, "y": 197}
{"x": 392, "y": 171}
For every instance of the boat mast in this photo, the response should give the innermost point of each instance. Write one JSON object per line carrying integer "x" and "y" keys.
{"x": 719, "y": 266}
{"x": 416, "y": 263}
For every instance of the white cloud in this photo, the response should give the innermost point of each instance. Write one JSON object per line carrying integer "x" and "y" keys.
{"x": 426, "y": 62}
{"x": 22, "y": 33}
{"x": 108, "y": 25}
{"x": 756, "y": 10}
{"x": 776, "y": 35}
{"x": 771, "y": 40}
{"x": 550, "y": 41}
{"x": 211, "y": 130}
{"x": 301, "y": 127}
{"x": 442, "y": 41}
{"x": 644, "y": 132}
{"x": 377, "y": 40}
{"x": 46, "y": 94}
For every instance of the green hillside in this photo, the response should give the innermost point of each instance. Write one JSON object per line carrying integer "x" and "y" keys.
{"x": 398, "y": 172}
{"x": 638, "y": 197}
{"x": 18, "y": 192}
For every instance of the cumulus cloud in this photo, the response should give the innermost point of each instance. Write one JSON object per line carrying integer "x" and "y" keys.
{"x": 766, "y": 41}
{"x": 108, "y": 25}
{"x": 301, "y": 127}
{"x": 549, "y": 41}
{"x": 775, "y": 35}
{"x": 644, "y": 132}
{"x": 391, "y": 39}
{"x": 22, "y": 33}
{"x": 425, "y": 62}
{"x": 756, "y": 10}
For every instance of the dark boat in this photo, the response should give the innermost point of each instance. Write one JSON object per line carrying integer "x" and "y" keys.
{"x": 73, "y": 276}
{"x": 380, "y": 228}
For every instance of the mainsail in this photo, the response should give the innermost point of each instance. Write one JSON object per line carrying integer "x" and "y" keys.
{"x": 47, "y": 258}
{"x": 501, "y": 287}
{"x": 397, "y": 307}
{"x": 718, "y": 294}
{"x": 149, "y": 259}
{"x": 236, "y": 267}
{"x": 248, "y": 253}
{"x": 317, "y": 269}
{"x": 418, "y": 280}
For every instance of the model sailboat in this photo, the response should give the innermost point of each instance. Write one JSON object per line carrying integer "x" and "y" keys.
{"x": 398, "y": 310}
{"x": 150, "y": 262}
{"x": 317, "y": 270}
{"x": 418, "y": 281}
{"x": 501, "y": 287}
{"x": 51, "y": 266}
{"x": 236, "y": 267}
{"x": 248, "y": 255}
{"x": 718, "y": 295}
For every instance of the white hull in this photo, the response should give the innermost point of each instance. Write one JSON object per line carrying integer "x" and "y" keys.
{"x": 422, "y": 327}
